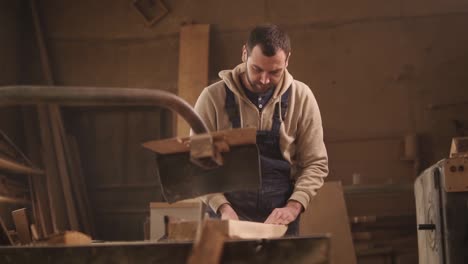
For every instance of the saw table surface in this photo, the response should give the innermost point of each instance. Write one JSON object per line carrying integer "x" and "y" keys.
{"x": 310, "y": 249}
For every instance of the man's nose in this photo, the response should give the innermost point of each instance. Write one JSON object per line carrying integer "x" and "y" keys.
{"x": 264, "y": 78}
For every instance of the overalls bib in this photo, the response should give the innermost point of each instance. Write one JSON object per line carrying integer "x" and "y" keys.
{"x": 276, "y": 185}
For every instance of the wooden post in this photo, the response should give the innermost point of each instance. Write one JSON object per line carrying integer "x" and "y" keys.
{"x": 194, "y": 42}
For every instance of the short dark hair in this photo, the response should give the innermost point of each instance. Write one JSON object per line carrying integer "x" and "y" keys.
{"x": 270, "y": 38}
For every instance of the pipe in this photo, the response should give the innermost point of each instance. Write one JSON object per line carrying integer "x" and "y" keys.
{"x": 96, "y": 96}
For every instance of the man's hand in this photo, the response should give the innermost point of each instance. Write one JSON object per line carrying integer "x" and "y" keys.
{"x": 285, "y": 215}
{"x": 227, "y": 213}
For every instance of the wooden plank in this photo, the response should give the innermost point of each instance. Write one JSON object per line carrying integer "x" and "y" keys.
{"x": 222, "y": 139}
{"x": 83, "y": 199}
{"x": 54, "y": 191}
{"x": 46, "y": 69}
{"x": 11, "y": 162}
{"x": 209, "y": 249}
{"x": 68, "y": 238}
{"x": 39, "y": 196}
{"x": 77, "y": 188}
{"x": 58, "y": 135}
{"x": 50, "y": 115}
{"x": 34, "y": 233}
{"x": 15, "y": 167}
{"x": 194, "y": 42}
{"x": 20, "y": 218}
{"x": 181, "y": 231}
{"x": 5, "y": 238}
{"x": 327, "y": 214}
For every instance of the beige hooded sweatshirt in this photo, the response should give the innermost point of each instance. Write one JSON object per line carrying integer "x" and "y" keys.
{"x": 301, "y": 133}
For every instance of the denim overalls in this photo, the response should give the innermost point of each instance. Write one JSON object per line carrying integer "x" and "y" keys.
{"x": 276, "y": 185}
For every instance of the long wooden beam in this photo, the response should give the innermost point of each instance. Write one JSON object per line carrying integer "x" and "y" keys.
{"x": 16, "y": 167}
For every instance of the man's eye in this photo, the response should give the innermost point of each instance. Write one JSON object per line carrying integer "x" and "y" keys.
{"x": 275, "y": 73}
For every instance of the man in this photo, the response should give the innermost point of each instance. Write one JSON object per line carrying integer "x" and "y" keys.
{"x": 261, "y": 93}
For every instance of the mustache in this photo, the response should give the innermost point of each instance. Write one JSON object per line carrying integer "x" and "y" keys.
{"x": 264, "y": 85}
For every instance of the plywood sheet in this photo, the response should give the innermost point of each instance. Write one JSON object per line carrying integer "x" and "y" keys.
{"x": 327, "y": 214}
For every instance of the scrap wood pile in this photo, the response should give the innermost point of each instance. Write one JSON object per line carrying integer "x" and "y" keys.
{"x": 43, "y": 206}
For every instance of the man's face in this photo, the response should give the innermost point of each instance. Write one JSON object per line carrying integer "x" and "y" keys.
{"x": 263, "y": 72}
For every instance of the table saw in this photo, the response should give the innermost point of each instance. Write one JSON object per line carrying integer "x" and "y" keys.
{"x": 206, "y": 161}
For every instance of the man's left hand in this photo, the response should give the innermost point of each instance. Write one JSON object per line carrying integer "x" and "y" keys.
{"x": 285, "y": 215}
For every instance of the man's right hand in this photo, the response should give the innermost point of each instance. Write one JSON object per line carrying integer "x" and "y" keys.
{"x": 227, "y": 213}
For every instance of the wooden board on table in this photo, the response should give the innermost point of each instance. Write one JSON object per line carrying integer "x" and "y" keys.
{"x": 193, "y": 67}
{"x": 232, "y": 229}
{"x": 327, "y": 214}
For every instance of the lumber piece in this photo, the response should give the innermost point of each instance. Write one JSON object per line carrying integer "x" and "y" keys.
{"x": 58, "y": 136}
{"x": 79, "y": 186}
{"x": 231, "y": 229}
{"x": 5, "y": 238}
{"x": 38, "y": 185}
{"x": 58, "y": 215}
{"x": 327, "y": 213}
{"x": 15, "y": 167}
{"x": 209, "y": 248}
{"x": 20, "y": 218}
{"x": 67, "y": 238}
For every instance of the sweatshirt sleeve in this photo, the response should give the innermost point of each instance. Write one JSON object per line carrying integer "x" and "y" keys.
{"x": 205, "y": 107}
{"x": 311, "y": 153}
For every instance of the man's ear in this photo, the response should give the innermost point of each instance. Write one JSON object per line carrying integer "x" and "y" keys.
{"x": 244, "y": 53}
{"x": 287, "y": 59}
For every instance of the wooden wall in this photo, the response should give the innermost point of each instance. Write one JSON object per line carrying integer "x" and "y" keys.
{"x": 10, "y": 118}
{"x": 119, "y": 172}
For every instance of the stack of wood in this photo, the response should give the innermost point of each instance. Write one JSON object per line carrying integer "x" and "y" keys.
{"x": 26, "y": 233}
{"x": 59, "y": 197}
{"x": 14, "y": 186}
{"x": 25, "y": 188}
{"x": 384, "y": 237}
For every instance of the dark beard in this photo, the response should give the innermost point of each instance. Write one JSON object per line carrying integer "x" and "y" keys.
{"x": 254, "y": 86}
